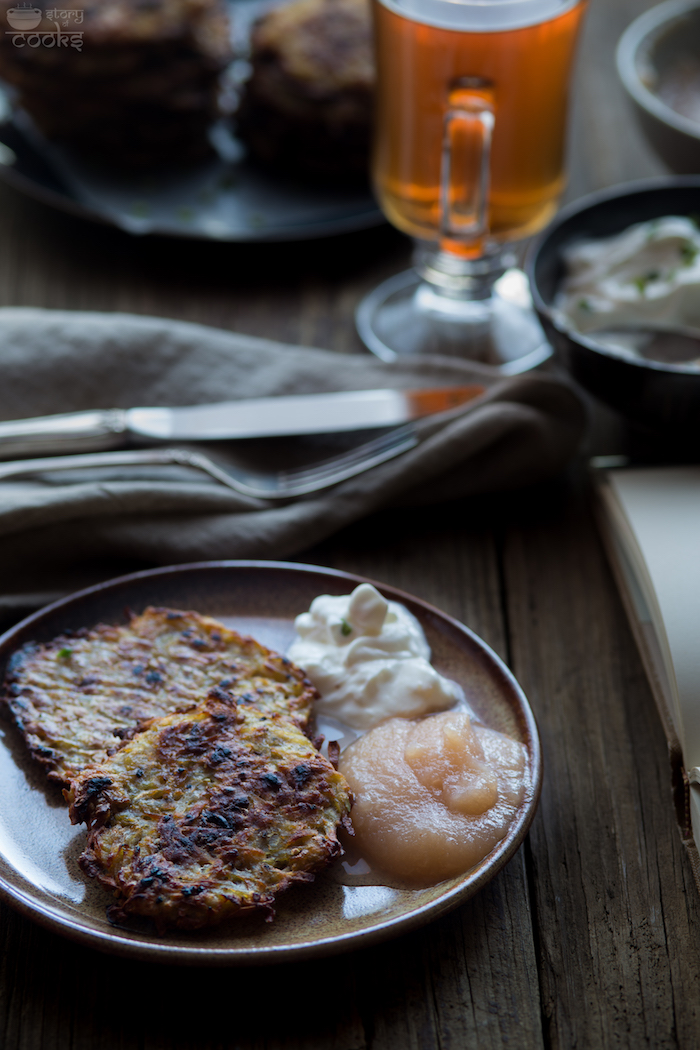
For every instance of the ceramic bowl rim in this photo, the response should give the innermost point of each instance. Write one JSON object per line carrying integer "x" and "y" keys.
{"x": 578, "y": 207}
{"x": 626, "y": 60}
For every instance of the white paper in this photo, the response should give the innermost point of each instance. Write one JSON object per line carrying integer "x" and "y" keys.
{"x": 662, "y": 507}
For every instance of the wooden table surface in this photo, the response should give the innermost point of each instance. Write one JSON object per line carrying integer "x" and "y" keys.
{"x": 590, "y": 937}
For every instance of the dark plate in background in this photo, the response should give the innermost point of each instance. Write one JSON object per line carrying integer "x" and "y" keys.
{"x": 227, "y": 198}
{"x": 222, "y": 200}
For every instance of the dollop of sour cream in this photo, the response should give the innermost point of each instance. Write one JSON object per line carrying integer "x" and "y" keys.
{"x": 648, "y": 273}
{"x": 369, "y": 660}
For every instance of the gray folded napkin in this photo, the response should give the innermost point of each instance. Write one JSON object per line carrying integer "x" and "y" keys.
{"x": 522, "y": 430}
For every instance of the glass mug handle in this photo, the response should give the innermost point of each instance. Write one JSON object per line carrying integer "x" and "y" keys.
{"x": 466, "y": 165}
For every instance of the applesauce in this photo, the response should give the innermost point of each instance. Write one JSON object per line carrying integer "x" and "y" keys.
{"x": 432, "y": 797}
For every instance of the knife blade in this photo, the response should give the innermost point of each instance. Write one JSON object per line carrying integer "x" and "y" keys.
{"x": 258, "y": 417}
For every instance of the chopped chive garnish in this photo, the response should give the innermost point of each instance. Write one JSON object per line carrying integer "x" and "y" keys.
{"x": 345, "y": 628}
{"x": 689, "y": 253}
{"x": 641, "y": 283}
{"x": 64, "y": 653}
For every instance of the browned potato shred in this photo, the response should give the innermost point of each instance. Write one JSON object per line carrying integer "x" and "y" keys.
{"x": 209, "y": 814}
{"x": 78, "y": 697}
{"x": 185, "y": 750}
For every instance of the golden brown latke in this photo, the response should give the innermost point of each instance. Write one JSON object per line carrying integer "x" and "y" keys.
{"x": 142, "y": 90}
{"x": 307, "y": 106}
{"x": 78, "y": 697}
{"x": 209, "y": 814}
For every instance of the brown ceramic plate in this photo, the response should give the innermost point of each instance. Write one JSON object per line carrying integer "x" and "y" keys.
{"x": 39, "y": 848}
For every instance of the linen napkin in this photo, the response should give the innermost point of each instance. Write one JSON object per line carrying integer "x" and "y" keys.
{"x": 522, "y": 430}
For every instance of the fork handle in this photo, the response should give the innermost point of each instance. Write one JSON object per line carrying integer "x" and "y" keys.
{"x": 139, "y": 457}
{"x": 70, "y": 432}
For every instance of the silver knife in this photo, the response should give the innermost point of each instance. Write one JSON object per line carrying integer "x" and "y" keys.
{"x": 226, "y": 420}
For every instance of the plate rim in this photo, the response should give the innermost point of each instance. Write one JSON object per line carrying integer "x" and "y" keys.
{"x": 50, "y": 917}
{"x": 63, "y": 202}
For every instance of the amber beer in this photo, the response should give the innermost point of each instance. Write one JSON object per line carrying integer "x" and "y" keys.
{"x": 424, "y": 47}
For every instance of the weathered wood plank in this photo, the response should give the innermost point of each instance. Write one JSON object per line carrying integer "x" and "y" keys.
{"x": 618, "y": 934}
{"x": 466, "y": 981}
{"x": 445, "y": 555}
{"x": 299, "y": 293}
{"x": 65, "y": 997}
{"x": 458, "y": 983}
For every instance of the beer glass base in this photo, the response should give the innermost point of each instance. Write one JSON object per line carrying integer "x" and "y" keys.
{"x": 406, "y": 315}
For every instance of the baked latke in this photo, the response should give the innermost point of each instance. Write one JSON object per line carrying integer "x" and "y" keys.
{"x": 307, "y": 107}
{"x": 78, "y": 697}
{"x": 132, "y": 82}
{"x": 208, "y": 815}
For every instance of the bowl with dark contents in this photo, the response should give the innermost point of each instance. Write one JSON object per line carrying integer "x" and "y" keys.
{"x": 615, "y": 281}
{"x": 658, "y": 62}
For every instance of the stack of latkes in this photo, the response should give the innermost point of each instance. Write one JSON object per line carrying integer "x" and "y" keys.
{"x": 308, "y": 104}
{"x": 185, "y": 748}
{"x": 143, "y": 89}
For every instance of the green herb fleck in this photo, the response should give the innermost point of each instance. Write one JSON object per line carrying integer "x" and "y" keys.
{"x": 641, "y": 283}
{"x": 140, "y": 209}
{"x": 689, "y": 253}
{"x": 65, "y": 653}
{"x": 345, "y": 628}
{"x": 584, "y": 304}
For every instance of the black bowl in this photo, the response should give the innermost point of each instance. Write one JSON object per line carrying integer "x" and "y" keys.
{"x": 661, "y": 396}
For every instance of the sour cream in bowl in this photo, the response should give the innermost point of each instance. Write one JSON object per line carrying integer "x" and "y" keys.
{"x": 648, "y": 274}
{"x": 615, "y": 283}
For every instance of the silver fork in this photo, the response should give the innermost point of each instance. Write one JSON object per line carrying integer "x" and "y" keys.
{"x": 283, "y": 484}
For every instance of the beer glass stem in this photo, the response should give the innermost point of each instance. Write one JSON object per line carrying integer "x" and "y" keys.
{"x": 456, "y": 277}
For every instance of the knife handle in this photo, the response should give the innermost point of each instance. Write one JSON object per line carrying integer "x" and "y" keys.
{"x": 92, "y": 431}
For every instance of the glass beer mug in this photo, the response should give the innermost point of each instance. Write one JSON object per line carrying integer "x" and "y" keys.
{"x": 468, "y": 159}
